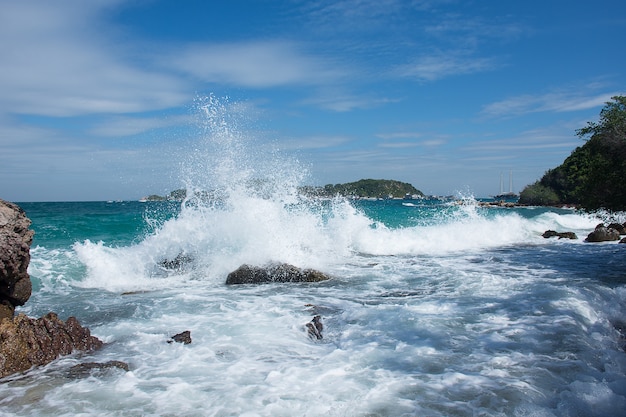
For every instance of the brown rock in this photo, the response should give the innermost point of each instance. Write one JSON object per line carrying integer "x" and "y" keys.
{"x": 561, "y": 235}
{"x": 15, "y": 241}
{"x": 602, "y": 234}
{"x": 27, "y": 342}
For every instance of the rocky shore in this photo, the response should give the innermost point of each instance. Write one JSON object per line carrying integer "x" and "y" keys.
{"x": 26, "y": 342}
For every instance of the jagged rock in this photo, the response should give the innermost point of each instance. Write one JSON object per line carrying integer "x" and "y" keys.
{"x": 315, "y": 327}
{"x": 179, "y": 264}
{"x": 602, "y": 234}
{"x": 27, "y": 342}
{"x": 15, "y": 241}
{"x": 184, "y": 337}
{"x": 247, "y": 274}
{"x": 561, "y": 235}
{"x": 85, "y": 369}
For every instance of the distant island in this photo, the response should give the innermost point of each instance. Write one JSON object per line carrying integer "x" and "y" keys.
{"x": 365, "y": 188}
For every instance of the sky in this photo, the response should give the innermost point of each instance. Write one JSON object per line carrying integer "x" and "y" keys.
{"x": 99, "y": 99}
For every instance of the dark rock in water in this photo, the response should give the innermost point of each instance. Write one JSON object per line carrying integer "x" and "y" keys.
{"x": 602, "y": 234}
{"x": 561, "y": 235}
{"x": 247, "y": 274}
{"x": 15, "y": 241}
{"x": 85, "y": 369}
{"x": 184, "y": 337}
{"x": 26, "y": 342}
{"x": 315, "y": 327}
{"x": 619, "y": 227}
{"x": 623, "y": 240}
{"x": 180, "y": 263}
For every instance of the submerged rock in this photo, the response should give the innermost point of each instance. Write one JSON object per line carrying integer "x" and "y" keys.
{"x": 184, "y": 337}
{"x": 602, "y": 234}
{"x": 315, "y": 327}
{"x": 27, "y": 342}
{"x": 561, "y": 235}
{"x": 85, "y": 369}
{"x": 247, "y": 274}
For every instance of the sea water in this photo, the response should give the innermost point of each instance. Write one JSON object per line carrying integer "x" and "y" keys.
{"x": 434, "y": 308}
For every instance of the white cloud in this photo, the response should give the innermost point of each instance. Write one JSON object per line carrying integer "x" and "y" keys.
{"x": 439, "y": 66}
{"x": 57, "y": 63}
{"x": 127, "y": 126}
{"x": 258, "y": 64}
{"x": 550, "y": 102}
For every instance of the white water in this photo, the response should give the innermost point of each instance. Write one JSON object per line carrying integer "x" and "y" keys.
{"x": 467, "y": 313}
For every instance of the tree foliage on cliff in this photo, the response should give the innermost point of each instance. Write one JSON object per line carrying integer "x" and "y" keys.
{"x": 370, "y": 188}
{"x": 594, "y": 175}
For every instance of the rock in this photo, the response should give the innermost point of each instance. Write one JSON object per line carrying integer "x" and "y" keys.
{"x": 179, "y": 264}
{"x": 247, "y": 274}
{"x": 27, "y": 342}
{"x": 602, "y": 234}
{"x": 85, "y": 369}
{"x": 561, "y": 235}
{"x": 15, "y": 241}
{"x": 184, "y": 337}
{"x": 623, "y": 240}
{"x": 315, "y": 327}
{"x": 619, "y": 227}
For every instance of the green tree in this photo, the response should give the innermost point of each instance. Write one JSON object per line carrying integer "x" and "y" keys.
{"x": 594, "y": 175}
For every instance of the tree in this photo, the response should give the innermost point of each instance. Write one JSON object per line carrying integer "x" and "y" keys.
{"x": 594, "y": 175}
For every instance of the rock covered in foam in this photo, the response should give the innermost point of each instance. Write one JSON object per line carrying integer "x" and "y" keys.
{"x": 282, "y": 272}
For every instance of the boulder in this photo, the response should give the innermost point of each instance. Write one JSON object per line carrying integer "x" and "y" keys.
{"x": 619, "y": 227}
{"x": 27, "y": 342}
{"x": 561, "y": 235}
{"x": 283, "y": 272}
{"x": 15, "y": 241}
{"x": 602, "y": 234}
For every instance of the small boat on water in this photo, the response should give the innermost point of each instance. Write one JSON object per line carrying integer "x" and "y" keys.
{"x": 509, "y": 197}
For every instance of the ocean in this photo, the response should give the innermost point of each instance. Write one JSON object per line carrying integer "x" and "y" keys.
{"x": 434, "y": 308}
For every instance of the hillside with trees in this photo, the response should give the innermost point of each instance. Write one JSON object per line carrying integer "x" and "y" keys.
{"x": 594, "y": 175}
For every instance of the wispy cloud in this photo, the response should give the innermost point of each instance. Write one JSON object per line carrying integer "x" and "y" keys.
{"x": 550, "y": 102}
{"x": 121, "y": 126}
{"x": 258, "y": 64}
{"x": 56, "y": 64}
{"x": 439, "y": 66}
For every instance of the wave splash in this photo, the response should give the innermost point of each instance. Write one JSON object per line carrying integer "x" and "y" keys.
{"x": 244, "y": 206}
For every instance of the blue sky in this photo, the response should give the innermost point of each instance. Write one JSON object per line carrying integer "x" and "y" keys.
{"x": 98, "y": 96}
